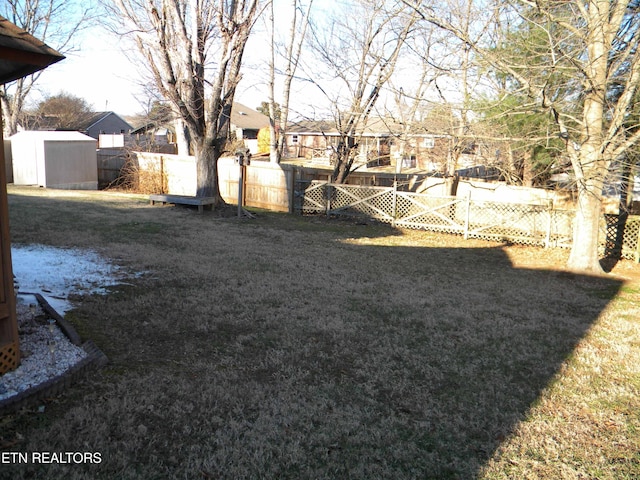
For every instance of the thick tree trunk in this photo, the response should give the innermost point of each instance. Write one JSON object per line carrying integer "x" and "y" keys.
{"x": 207, "y": 155}
{"x": 182, "y": 137}
{"x": 588, "y": 163}
{"x": 584, "y": 251}
{"x": 340, "y": 172}
{"x": 10, "y": 116}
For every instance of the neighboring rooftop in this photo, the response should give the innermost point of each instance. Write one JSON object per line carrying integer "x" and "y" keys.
{"x": 247, "y": 118}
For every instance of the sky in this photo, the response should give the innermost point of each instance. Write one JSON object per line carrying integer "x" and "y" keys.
{"x": 99, "y": 73}
{"x": 102, "y": 74}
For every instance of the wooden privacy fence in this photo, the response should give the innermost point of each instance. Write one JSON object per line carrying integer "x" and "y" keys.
{"x": 110, "y": 164}
{"x": 524, "y": 223}
{"x": 266, "y": 185}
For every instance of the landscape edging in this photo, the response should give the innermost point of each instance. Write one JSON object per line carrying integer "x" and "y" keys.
{"x": 95, "y": 359}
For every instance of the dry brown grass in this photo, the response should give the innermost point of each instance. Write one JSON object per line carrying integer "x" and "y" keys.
{"x": 291, "y": 347}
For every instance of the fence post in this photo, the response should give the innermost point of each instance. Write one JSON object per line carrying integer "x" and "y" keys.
{"x": 394, "y": 207}
{"x": 328, "y": 184}
{"x": 637, "y": 253}
{"x": 547, "y": 240}
{"x": 467, "y": 216}
{"x": 290, "y": 180}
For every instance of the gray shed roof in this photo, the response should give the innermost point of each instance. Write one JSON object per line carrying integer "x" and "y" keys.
{"x": 52, "y": 136}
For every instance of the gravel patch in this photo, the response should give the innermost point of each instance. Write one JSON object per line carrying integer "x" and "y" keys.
{"x": 45, "y": 350}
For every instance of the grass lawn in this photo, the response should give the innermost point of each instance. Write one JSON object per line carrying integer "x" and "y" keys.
{"x": 305, "y": 347}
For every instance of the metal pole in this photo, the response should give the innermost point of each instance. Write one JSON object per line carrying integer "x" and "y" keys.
{"x": 240, "y": 183}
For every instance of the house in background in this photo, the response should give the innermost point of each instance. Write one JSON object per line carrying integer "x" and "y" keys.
{"x": 382, "y": 143}
{"x": 160, "y": 135}
{"x": 246, "y": 123}
{"x": 109, "y": 128}
{"x": 317, "y": 141}
{"x": 387, "y": 144}
{"x": 100, "y": 123}
{"x": 154, "y": 136}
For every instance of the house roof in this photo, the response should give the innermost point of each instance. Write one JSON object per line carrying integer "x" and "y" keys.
{"x": 241, "y": 117}
{"x": 313, "y": 127}
{"x": 81, "y": 124}
{"x": 21, "y": 54}
{"x": 247, "y": 118}
{"x": 92, "y": 118}
{"x": 376, "y": 127}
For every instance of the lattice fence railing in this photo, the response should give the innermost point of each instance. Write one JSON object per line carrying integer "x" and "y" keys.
{"x": 621, "y": 236}
{"x": 519, "y": 223}
{"x": 311, "y": 197}
{"x": 531, "y": 224}
{"x": 438, "y": 214}
{"x": 357, "y": 200}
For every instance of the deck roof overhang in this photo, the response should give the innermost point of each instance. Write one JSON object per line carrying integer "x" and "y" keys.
{"x": 22, "y": 54}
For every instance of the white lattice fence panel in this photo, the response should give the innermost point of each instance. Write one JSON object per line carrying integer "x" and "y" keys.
{"x": 620, "y": 237}
{"x": 561, "y": 228}
{"x": 372, "y": 202}
{"x": 313, "y": 198}
{"x": 440, "y": 214}
{"x": 519, "y": 223}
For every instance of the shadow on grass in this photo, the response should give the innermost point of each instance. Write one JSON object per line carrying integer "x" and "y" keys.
{"x": 285, "y": 349}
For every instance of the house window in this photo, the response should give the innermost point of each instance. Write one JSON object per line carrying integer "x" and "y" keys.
{"x": 294, "y": 139}
{"x": 429, "y": 142}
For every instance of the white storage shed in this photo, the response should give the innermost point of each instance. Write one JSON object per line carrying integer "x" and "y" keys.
{"x": 52, "y": 159}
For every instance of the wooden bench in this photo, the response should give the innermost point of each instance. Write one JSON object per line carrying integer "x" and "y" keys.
{"x": 200, "y": 202}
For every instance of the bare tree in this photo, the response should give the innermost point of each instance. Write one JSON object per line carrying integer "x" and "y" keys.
{"x": 177, "y": 39}
{"x": 278, "y": 117}
{"x": 55, "y": 22}
{"x": 65, "y": 108}
{"x": 594, "y": 43}
{"x": 357, "y": 51}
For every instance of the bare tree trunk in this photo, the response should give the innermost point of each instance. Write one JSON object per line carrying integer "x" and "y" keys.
{"x": 175, "y": 40}
{"x": 278, "y": 127}
{"x": 207, "y": 170}
{"x": 584, "y": 257}
{"x": 11, "y": 108}
{"x": 273, "y": 135}
{"x": 182, "y": 137}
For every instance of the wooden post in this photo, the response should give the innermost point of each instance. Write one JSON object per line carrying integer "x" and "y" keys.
{"x": 9, "y": 340}
{"x": 240, "y": 183}
{"x": 21, "y": 55}
{"x": 547, "y": 240}
{"x": 394, "y": 206}
{"x": 291, "y": 174}
{"x": 637, "y": 252}
{"x": 467, "y": 216}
